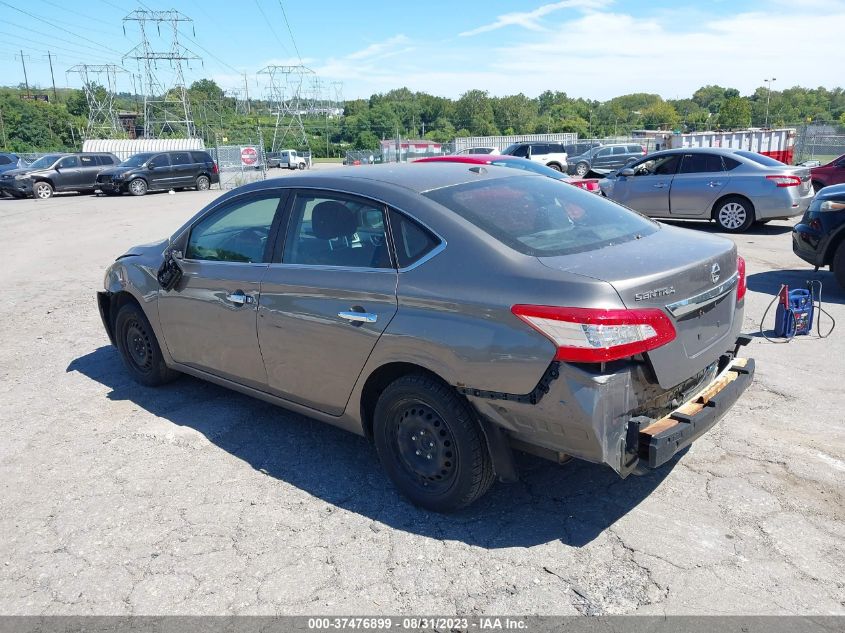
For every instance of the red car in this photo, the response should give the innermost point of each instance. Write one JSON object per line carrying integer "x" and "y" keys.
{"x": 831, "y": 174}
{"x": 589, "y": 184}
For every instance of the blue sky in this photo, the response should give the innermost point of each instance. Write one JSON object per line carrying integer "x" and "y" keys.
{"x": 448, "y": 47}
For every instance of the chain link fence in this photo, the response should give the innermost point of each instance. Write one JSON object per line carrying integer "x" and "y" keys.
{"x": 819, "y": 143}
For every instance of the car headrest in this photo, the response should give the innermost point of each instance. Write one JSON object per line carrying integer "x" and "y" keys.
{"x": 330, "y": 220}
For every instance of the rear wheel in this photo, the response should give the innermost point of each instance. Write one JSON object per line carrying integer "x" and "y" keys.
{"x": 734, "y": 214}
{"x": 42, "y": 190}
{"x": 139, "y": 348}
{"x": 817, "y": 185}
{"x": 430, "y": 443}
{"x": 839, "y": 265}
{"x": 582, "y": 169}
{"x": 555, "y": 166}
{"x": 138, "y": 187}
{"x": 302, "y": 165}
{"x": 203, "y": 183}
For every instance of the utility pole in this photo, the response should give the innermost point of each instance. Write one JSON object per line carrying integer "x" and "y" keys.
{"x": 52, "y": 77}
{"x": 3, "y": 131}
{"x": 246, "y": 92}
{"x": 25, "y": 80}
{"x": 768, "y": 83}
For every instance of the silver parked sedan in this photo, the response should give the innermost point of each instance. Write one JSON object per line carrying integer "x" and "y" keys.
{"x": 733, "y": 187}
{"x": 448, "y": 312}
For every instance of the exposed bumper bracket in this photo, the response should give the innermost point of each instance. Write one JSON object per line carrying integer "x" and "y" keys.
{"x": 661, "y": 439}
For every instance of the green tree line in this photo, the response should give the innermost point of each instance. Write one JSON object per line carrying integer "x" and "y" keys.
{"x": 32, "y": 126}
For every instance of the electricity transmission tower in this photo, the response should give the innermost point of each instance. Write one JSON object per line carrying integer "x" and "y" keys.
{"x": 100, "y": 85}
{"x": 167, "y": 110}
{"x": 285, "y": 92}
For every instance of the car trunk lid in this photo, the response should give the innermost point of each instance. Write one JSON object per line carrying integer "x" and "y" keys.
{"x": 690, "y": 276}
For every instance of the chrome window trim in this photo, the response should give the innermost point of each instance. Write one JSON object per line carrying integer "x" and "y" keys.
{"x": 691, "y": 304}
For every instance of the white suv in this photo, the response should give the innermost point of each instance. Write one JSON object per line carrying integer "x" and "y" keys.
{"x": 548, "y": 153}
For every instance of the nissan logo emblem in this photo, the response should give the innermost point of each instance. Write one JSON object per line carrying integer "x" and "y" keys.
{"x": 714, "y": 272}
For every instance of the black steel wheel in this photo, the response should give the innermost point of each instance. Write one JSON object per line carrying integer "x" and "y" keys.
{"x": 139, "y": 348}
{"x": 430, "y": 443}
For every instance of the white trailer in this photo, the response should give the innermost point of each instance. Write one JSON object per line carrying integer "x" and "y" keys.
{"x": 778, "y": 144}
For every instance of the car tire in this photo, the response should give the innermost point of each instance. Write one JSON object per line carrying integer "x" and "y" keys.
{"x": 582, "y": 169}
{"x": 817, "y": 186}
{"x": 139, "y": 348}
{"x": 42, "y": 190}
{"x": 301, "y": 165}
{"x": 429, "y": 441}
{"x": 203, "y": 183}
{"x": 838, "y": 265}
{"x": 138, "y": 187}
{"x": 554, "y": 166}
{"x": 734, "y": 214}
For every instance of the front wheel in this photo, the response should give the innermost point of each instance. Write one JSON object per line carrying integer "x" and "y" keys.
{"x": 734, "y": 214}
{"x": 817, "y": 186}
{"x": 203, "y": 183}
{"x": 839, "y": 265}
{"x": 582, "y": 169}
{"x": 555, "y": 166}
{"x": 302, "y": 165}
{"x": 138, "y": 187}
{"x": 42, "y": 190}
{"x": 139, "y": 348}
{"x": 430, "y": 443}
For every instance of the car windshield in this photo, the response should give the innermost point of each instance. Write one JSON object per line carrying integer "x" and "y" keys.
{"x": 543, "y": 217}
{"x": 760, "y": 159}
{"x": 528, "y": 165}
{"x": 45, "y": 161}
{"x": 136, "y": 161}
{"x": 510, "y": 149}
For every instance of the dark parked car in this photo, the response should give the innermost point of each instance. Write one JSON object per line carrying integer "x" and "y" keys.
{"x": 604, "y": 159}
{"x": 831, "y": 174}
{"x": 153, "y": 171}
{"x": 448, "y": 313}
{"x": 56, "y": 173}
{"x": 10, "y": 161}
{"x": 819, "y": 237}
{"x": 576, "y": 149}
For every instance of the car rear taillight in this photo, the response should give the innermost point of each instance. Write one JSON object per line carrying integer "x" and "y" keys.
{"x": 785, "y": 181}
{"x": 741, "y": 285}
{"x": 588, "y": 185}
{"x": 587, "y": 335}
{"x": 215, "y": 169}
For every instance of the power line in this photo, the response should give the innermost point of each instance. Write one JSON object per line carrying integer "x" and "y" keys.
{"x": 270, "y": 24}
{"x": 75, "y": 12}
{"x": 41, "y": 19}
{"x": 295, "y": 47}
{"x": 50, "y": 35}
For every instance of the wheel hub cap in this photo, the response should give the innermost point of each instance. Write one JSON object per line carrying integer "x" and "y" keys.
{"x": 426, "y": 445}
{"x": 732, "y": 215}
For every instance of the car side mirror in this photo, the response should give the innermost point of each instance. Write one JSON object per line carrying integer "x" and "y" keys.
{"x": 626, "y": 173}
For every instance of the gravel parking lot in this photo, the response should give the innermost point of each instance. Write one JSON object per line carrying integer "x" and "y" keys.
{"x": 191, "y": 499}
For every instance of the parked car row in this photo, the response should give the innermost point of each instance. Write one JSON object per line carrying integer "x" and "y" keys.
{"x": 86, "y": 172}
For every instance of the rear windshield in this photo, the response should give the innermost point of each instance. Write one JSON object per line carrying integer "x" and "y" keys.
{"x": 543, "y": 217}
{"x": 768, "y": 161}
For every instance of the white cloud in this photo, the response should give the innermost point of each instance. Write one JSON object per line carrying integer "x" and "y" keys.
{"x": 379, "y": 48}
{"x": 528, "y": 20}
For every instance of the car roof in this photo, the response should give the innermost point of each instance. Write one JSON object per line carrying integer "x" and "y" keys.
{"x": 831, "y": 191}
{"x": 411, "y": 176}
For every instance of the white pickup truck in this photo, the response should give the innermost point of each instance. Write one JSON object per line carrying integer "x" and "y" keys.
{"x": 287, "y": 158}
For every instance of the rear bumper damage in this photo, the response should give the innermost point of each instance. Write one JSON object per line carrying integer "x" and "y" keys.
{"x": 619, "y": 417}
{"x": 652, "y": 443}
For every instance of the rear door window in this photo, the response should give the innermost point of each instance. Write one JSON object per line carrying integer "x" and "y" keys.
{"x": 180, "y": 158}
{"x": 200, "y": 157}
{"x": 543, "y": 217}
{"x": 88, "y": 161}
{"x": 619, "y": 151}
{"x": 105, "y": 160}
{"x": 700, "y": 163}
{"x": 539, "y": 149}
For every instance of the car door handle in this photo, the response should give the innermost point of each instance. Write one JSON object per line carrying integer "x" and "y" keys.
{"x": 714, "y": 183}
{"x": 362, "y": 317}
{"x": 660, "y": 185}
{"x": 239, "y": 298}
